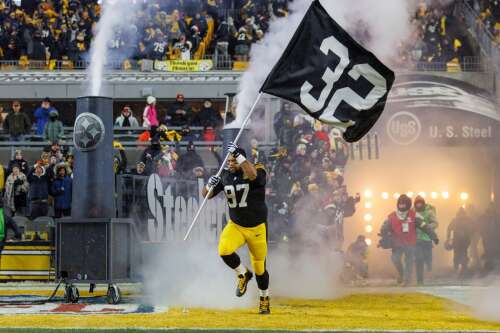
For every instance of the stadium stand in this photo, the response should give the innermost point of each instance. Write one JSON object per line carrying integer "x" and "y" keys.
{"x": 56, "y": 35}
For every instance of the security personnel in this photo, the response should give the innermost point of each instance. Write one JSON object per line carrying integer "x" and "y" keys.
{"x": 244, "y": 184}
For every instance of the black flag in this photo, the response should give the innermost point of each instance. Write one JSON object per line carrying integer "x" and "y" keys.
{"x": 331, "y": 76}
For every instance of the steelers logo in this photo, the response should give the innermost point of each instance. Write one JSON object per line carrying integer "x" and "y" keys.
{"x": 88, "y": 132}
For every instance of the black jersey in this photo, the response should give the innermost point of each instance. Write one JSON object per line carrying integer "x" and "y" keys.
{"x": 246, "y": 198}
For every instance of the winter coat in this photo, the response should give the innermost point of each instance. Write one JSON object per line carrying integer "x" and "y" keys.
{"x": 11, "y": 189}
{"x": 41, "y": 117}
{"x": 188, "y": 161}
{"x": 174, "y": 119}
{"x": 207, "y": 117}
{"x": 21, "y": 164}
{"x": 150, "y": 116}
{"x": 39, "y": 186}
{"x": 133, "y": 121}
{"x": 428, "y": 217}
{"x": 17, "y": 124}
{"x": 53, "y": 131}
{"x": 62, "y": 192}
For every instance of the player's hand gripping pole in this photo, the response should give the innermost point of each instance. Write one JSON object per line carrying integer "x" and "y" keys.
{"x": 245, "y": 121}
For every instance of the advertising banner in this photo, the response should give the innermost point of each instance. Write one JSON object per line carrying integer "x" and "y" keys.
{"x": 428, "y": 109}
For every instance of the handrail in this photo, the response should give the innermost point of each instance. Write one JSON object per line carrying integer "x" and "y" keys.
{"x": 221, "y": 63}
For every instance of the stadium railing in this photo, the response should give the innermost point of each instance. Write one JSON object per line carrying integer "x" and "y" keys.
{"x": 221, "y": 62}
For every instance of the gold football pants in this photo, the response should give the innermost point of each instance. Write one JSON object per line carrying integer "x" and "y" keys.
{"x": 234, "y": 236}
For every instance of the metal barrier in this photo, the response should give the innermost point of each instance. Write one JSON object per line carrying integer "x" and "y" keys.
{"x": 225, "y": 62}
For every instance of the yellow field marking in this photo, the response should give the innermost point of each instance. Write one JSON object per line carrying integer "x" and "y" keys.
{"x": 361, "y": 311}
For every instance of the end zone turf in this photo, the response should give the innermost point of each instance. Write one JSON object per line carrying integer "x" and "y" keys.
{"x": 372, "y": 312}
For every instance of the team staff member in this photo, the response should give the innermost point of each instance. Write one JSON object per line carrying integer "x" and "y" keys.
{"x": 244, "y": 186}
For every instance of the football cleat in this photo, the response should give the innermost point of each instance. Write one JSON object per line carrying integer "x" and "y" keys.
{"x": 264, "y": 305}
{"x": 243, "y": 280}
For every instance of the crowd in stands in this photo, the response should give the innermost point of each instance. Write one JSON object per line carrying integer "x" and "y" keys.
{"x": 438, "y": 36}
{"x": 41, "y": 189}
{"x": 489, "y": 16}
{"x": 191, "y": 29}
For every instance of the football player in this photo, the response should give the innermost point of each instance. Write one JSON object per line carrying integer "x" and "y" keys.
{"x": 244, "y": 184}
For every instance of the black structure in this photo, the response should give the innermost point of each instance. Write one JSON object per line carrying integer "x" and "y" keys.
{"x": 93, "y": 246}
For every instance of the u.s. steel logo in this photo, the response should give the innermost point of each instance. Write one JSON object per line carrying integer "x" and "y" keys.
{"x": 403, "y": 128}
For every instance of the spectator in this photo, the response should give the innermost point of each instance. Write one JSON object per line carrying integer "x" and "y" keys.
{"x": 38, "y": 191}
{"x": 188, "y": 161}
{"x": 401, "y": 225}
{"x": 54, "y": 130}
{"x": 258, "y": 155}
{"x": 42, "y": 115}
{"x": 199, "y": 172}
{"x": 179, "y": 113}
{"x": 490, "y": 236}
{"x": 140, "y": 169}
{"x": 62, "y": 188}
{"x": 119, "y": 158}
{"x": 182, "y": 49}
{"x": 166, "y": 165}
{"x": 151, "y": 155}
{"x": 356, "y": 256}
{"x": 423, "y": 254}
{"x": 17, "y": 123}
{"x": 150, "y": 116}
{"x": 16, "y": 191}
{"x": 126, "y": 118}
{"x": 18, "y": 161}
{"x": 207, "y": 116}
{"x": 12, "y": 52}
{"x": 341, "y": 206}
{"x": 458, "y": 235}
{"x": 3, "y": 116}
{"x": 9, "y": 223}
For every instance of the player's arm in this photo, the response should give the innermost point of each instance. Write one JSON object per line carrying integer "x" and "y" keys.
{"x": 247, "y": 167}
{"x": 215, "y": 183}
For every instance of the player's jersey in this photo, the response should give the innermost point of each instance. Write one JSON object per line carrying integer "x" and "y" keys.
{"x": 246, "y": 198}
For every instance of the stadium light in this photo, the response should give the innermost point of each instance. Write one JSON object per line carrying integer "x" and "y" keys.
{"x": 369, "y": 228}
{"x": 368, "y": 241}
{"x": 368, "y": 217}
{"x": 445, "y": 195}
{"x": 368, "y": 205}
{"x": 434, "y": 195}
{"x": 464, "y": 196}
{"x": 368, "y": 193}
{"x": 396, "y": 195}
{"x": 385, "y": 195}
{"x": 422, "y": 194}
{"x": 410, "y": 194}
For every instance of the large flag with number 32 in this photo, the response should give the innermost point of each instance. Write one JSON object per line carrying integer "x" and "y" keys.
{"x": 331, "y": 76}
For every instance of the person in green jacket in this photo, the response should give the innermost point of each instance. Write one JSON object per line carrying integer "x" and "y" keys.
{"x": 423, "y": 254}
{"x": 53, "y": 131}
{"x": 7, "y": 222}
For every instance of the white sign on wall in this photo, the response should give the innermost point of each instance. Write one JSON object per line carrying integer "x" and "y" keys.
{"x": 174, "y": 213}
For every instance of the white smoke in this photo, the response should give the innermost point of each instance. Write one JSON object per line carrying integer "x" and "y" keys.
{"x": 191, "y": 273}
{"x": 485, "y": 302}
{"x": 388, "y": 23}
{"x": 115, "y": 14}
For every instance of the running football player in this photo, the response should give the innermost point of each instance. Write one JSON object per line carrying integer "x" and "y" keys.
{"x": 244, "y": 184}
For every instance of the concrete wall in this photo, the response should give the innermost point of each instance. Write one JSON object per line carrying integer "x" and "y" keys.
{"x": 136, "y": 85}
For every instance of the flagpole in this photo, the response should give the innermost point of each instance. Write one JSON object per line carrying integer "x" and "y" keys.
{"x": 245, "y": 121}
